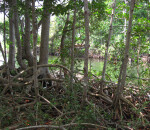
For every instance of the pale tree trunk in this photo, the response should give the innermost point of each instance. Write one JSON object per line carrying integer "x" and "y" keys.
{"x": 125, "y": 22}
{"x": 27, "y": 46}
{"x": 34, "y": 30}
{"x": 63, "y": 40}
{"x": 122, "y": 76}
{"x": 86, "y": 19}
{"x": 4, "y": 37}
{"x": 107, "y": 47}
{"x": 17, "y": 35}
{"x": 11, "y": 59}
{"x": 45, "y": 37}
{"x": 72, "y": 46}
{"x": 138, "y": 55}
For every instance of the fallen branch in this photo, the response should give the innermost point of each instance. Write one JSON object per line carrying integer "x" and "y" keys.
{"x": 109, "y": 101}
{"x": 101, "y": 96}
{"x": 47, "y": 101}
{"x": 62, "y": 126}
{"x": 129, "y": 103}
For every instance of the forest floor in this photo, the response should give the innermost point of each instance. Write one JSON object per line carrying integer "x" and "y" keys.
{"x": 59, "y": 107}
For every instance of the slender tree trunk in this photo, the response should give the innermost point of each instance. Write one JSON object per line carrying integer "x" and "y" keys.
{"x": 138, "y": 55}
{"x": 122, "y": 77}
{"x": 5, "y": 57}
{"x": 107, "y": 47}
{"x": 63, "y": 40}
{"x": 45, "y": 36}
{"x": 86, "y": 19}
{"x": 27, "y": 46}
{"x": 52, "y": 44}
{"x": 125, "y": 22}
{"x": 34, "y": 30}
{"x": 11, "y": 59}
{"x": 22, "y": 38}
{"x": 72, "y": 46}
{"x": 17, "y": 35}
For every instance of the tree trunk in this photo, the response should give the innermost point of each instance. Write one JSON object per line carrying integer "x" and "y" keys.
{"x": 107, "y": 46}
{"x": 17, "y": 35}
{"x": 63, "y": 40}
{"x": 125, "y": 21}
{"x": 28, "y": 53}
{"x": 72, "y": 46}
{"x": 86, "y": 19}
{"x": 22, "y": 38}
{"x": 52, "y": 45}
{"x": 45, "y": 36}
{"x": 4, "y": 36}
{"x": 34, "y": 30}
{"x": 122, "y": 76}
{"x": 138, "y": 55}
{"x": 11, "y": 60}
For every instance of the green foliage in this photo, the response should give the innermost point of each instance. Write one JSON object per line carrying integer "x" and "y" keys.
{"x": 6, "y": 29}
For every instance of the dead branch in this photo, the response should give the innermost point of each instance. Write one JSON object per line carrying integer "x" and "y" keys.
{"x": 47, "y": 101}
{"x": 62, "y": 126}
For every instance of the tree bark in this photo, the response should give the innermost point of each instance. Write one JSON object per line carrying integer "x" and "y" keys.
{"x": 122, "y": 76}
{"x": 107, "y": 47}
{"x": 63, "y": 40}
{"x": 11, "y": 59}
{"x": 125, "y": 21}
{"x": 4, "y": 35}
{"x": 86, "y": 19}
{"x": 34, "y": 24}
{"x": 45, "y": 36}
{"x": 27, "y": 46}
{"x": 17, "y": 35}
{"x": 72, "y": 46}
{"x": 138, "y": 55}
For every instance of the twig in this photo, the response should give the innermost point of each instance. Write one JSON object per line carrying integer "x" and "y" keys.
{"x": 50, "y": 103}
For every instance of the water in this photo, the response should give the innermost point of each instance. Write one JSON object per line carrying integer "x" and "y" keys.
{"x": 95, "y": 65}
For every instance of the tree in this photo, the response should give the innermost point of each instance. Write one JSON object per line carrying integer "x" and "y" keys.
{"x": 107, "y": 47}
{"x": 72, "y": 46}
{"x": 17, "y": 35}
{"x": 45, "y": 37}
{"x": 11, "y": 59}
{"x": 63, "y": 39}
{"x": 86, "y": 20}
{"x": 27, "y": 46}
{"x": 123, "y": 69}
{"x": 34, "y": 24}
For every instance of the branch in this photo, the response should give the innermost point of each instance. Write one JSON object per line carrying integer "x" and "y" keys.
{"x": 38, "y": 66}
{"x": 62, "y": 126}
{"x": 50, "y": 103}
